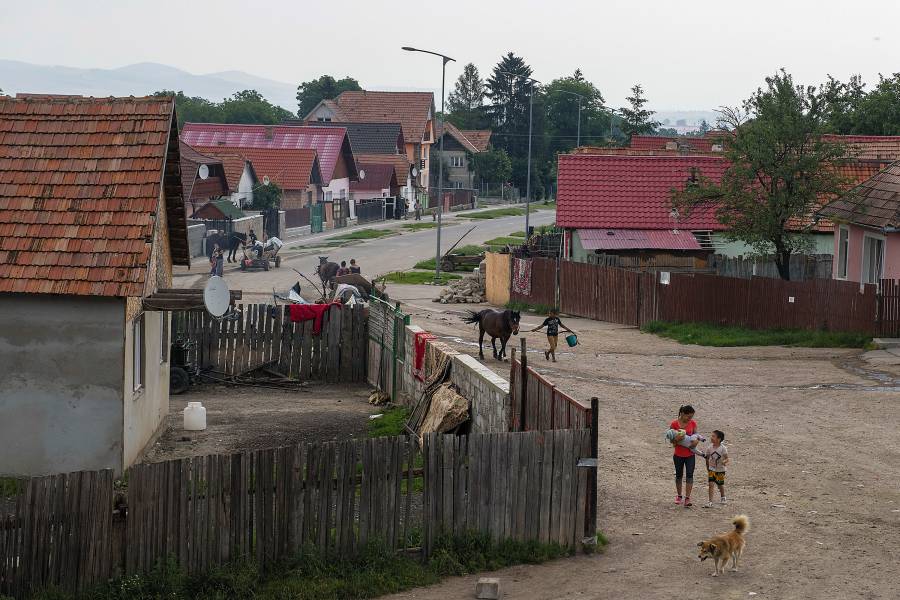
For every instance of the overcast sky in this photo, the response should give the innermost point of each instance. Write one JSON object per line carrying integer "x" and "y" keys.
{"x": 688, "y": 55}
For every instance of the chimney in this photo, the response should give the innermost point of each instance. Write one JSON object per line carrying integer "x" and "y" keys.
{"x": 270, "y": 133}
{"x": 671, "y": 145}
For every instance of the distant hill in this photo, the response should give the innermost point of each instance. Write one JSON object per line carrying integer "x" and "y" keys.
{"x": 138, "y": 80}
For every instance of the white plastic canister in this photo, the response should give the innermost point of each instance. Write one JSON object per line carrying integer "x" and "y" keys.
{"x": 194, "y": 417}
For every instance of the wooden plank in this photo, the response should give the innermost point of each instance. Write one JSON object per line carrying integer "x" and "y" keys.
{"x": 345, "y": 345}
{"x": 460, "y": 478}
{"x": 546, "y": 475}
{"x": 581, "y": 496}
{"x": 306, "y": 351}
{"x": 556, "y": 494}
{"x": 532, "y": 488}
{"x": 566, "y": 503}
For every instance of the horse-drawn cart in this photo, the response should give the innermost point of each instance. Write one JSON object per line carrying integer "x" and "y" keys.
{"x": 457, "y": 262}
{"x": 261, "y": 256}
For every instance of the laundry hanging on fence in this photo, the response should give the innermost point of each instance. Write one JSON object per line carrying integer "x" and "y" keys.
{"x": 421, "y": 343}
{"x": 521, "y": 276}
{"x": 311, "y": 312}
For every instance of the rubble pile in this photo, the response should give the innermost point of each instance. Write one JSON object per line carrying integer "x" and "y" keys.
{"x": 468, "y": 290}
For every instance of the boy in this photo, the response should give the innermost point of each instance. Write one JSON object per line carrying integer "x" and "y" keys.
{"x": 716, "y": 465}
{"x": 552, "y": 323}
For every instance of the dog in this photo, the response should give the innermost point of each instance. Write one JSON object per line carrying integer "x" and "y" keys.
{"x": 728, "y": 545}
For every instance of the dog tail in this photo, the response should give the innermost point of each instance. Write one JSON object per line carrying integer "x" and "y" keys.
{"x": 741, "y": 523}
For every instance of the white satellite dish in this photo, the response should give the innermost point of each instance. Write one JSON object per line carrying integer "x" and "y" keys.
{"x": 266, "y": 180}
{"x": 216, "y": 296}
{"x": 415, "y": 172}
{"x": 362, "y": 174}
{"x": 203, "y": 172}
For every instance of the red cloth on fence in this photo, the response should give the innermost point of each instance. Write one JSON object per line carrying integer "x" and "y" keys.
{"x": 421, "y": 340}
{"x": 311, "y": 312}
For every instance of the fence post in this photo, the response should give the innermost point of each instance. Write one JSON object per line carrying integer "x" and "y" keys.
{"x": 590, "y": 526}
{"x": 523, "y": 361}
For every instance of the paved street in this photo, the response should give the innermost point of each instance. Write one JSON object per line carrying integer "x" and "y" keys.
{"x": 376, "y": 257}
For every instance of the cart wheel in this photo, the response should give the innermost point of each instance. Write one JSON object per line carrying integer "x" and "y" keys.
{"x": 265, "y": 265}
{"x": 277, "y": 261}
{"x": 179, "y": 381}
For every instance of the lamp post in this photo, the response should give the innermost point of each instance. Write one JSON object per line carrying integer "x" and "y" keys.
{"x": 531, "y": 81}
{"x": 440, "y": 208}
{"x": 580, "y": 98}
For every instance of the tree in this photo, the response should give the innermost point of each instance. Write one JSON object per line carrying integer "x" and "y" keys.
{"x": 310, "y": 93}
{"x": 247, "y": 106}
{"x": 493, "y": 166}
{"x": 266, "y": 197}
{"x": 466, "y": 102}
{"x": 562, "y": 99}
{"x": 637, "y": 120}
{"x": 842, "y": 103}
{"x": 780, "y": 167}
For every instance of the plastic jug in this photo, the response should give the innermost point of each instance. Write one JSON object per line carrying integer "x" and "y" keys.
{"x": 194, "y": 417}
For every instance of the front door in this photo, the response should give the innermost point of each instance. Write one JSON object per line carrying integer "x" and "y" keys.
{"x": 316, "y": 218}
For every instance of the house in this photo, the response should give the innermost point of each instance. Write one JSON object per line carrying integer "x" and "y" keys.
{"x": 413, "y": 110}
{"x": 380, "y": 181}
{"x": 867, "y": 235}
{"x": 458, "y": 151}
{"x": 200, "y": 184}
{"x": 219, "y": 209}
{"x": 240, "y": 177}
{"x": 91, "y": 222}
{"x": 331, "y": 144}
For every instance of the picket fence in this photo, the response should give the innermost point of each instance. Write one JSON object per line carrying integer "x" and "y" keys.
{"x": 76, "y": 530}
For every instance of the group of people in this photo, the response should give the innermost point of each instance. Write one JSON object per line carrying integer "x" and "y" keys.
{"x": 347, "y": 270}
{"x": 686, "y": 442}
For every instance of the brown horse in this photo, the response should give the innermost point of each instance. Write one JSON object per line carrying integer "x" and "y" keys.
{"x": 497, "y": 324}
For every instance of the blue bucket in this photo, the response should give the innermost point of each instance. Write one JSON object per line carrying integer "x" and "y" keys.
{"x": 572, "y": 340}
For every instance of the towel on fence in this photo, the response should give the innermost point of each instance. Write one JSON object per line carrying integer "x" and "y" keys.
{"x": 311, "y": 312}
{"x": 420, "y": 344}
{"x": 521, "y": 276}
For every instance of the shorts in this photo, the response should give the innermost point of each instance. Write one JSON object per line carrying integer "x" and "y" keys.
{"x": 684, "y": 465}
{"x": 717, "y": 477}
{"x": 552, "y": 340}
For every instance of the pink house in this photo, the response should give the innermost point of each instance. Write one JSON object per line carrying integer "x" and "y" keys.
{"x": 867, "y": 229}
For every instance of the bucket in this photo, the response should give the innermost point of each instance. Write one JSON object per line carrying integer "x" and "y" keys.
{"x": 572, "y": 340}
{"x": 194, "y": 417}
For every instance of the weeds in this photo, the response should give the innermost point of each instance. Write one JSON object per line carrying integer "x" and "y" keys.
{"x": 11, "y": 486}
{"x": 391, "y": 423}
{"x": 417, "y": 277}
{"x": 708, "y": 334}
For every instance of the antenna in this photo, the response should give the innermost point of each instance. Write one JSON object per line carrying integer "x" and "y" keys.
{"x": 216, "y": 296}
{"x": 203, "y": 172}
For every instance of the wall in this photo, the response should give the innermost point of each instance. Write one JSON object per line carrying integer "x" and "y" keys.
{"x": 892, "y": 256}
{"x": 196, "y": 233}
{"x": 497, "y": 278}
{"x": 857, "y": 235}
{"x": 335, "y": 186}
{"x": 244, "y": 194}
{"x": 821, "y": 243}
{"x": 61, "y": 382}
{"x": 145, "y": 409}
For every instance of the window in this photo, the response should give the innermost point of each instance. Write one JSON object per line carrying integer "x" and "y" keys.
{"x": 456, "y": 160}
{"x": 164, "y": 338}
{"x": 343, "y": 194}
{"x": 327, "y": 196}
{"x": 324, "y": 119}
{"x": 873, "y": 259}
{"x": 137, "y": 342}
{"x": 843, "y": 250}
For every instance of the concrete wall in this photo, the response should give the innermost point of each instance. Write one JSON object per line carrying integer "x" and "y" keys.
{"x": 60, "y": 383}
{"x": 196, "y": 233}
{"x": 147, "y": 407}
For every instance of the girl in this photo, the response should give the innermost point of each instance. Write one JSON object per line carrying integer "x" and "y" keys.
{"x": 684, "y": 458}
{"x": 216, "y": 261}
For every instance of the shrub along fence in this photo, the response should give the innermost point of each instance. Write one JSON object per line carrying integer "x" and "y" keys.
{"x": 77, "y": 530}
{"x": 633, "y": 298}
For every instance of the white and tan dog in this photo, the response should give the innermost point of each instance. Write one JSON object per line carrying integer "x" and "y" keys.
{"x": 728, "y": 545}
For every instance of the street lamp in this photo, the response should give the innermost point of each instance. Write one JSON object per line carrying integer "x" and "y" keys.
{"x": 532, "y": 81}
{"x": 440, "y": 207}
{"x": 580, "y": 98}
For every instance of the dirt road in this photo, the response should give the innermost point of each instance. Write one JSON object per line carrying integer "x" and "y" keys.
{"x": 815, "y": 464}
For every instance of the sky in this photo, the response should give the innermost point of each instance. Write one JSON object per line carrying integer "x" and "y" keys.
{"x": 689, "y": 55}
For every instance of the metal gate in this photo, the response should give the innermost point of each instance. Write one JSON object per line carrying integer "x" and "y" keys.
{"x": 387, "y": 344}
{"x": 341, "y": 212}
{"x": 316, "y": 218}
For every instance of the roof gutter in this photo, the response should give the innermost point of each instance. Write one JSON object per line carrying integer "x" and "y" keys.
{"x": 891, "y": 229}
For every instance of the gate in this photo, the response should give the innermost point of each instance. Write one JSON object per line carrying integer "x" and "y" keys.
{"x": 341, "y": 212}
{"x": 387, "y": 344}
{"x": 368, "y": 211}
{"x": 316, "y": 218}
{"x": 887, "y": 321}
{"x": 271, "y": 223}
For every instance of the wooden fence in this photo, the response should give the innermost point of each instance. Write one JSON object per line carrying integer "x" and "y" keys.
{"x": 263, "y": 335}
{"x": 74, "y": 531}
{"x": 888, "y": 321}
{"x": 544, "y": 406}
{"x": 543, "y": 284}
{"x": 632, "y": 298}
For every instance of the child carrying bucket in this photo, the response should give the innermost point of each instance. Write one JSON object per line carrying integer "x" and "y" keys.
{"x": 552, "y": 323}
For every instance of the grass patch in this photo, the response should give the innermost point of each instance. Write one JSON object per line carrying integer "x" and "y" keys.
{"x": 496, "y": 213}
{"x": 517, "y": 234}
{"x": 501, "y": 242}
{"x": 544, "y": 205}
{"x": 417, "y": 277}
{"x": 708, "y": 334}
{"x": 541, "y": 309}
{"x": 309, "y": 575}
{"x": 468, "y": 250}
{"x": 391, "y": 423}
{"x": 11, "y": 486}
{"x": 365, "y": 234}
{"x": 418, "y": 226}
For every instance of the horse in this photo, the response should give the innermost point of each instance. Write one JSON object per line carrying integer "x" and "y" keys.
{"x": 497, "y": 324}
{"x": 356, "y": 280}
{"x": 228, "y": 242}
{"x": 326, "y": 270}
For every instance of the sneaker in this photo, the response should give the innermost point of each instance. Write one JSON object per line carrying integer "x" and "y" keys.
{"x": 546, "y": 355}
{"x": 677, "y": 499}
{"x": 724, "y": 501}
{"x": 708, "y": 505}
{"x": 687, "y": 502}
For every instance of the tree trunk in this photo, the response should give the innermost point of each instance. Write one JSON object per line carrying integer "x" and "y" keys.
{"x": 783, "y": 263}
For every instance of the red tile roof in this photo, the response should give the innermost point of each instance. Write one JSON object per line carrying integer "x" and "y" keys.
{"x": 329, "y": 142}
{"x": 654, "y": 142}
{"x": 637, "y": 239}
{"x": 379, "y": 176}
{"x": 290, "y": 169}
{"x": 412, "y": 110}
{"x": 400, "y": 162}
{"x": 630, "y": 192}
{"x": 480, "y": 138}
{"x": 870, "y": 147}
{"x": 79, "y": 193}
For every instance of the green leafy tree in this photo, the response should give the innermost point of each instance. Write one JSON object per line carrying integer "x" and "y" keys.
{"x": 465, "y": 104}
{"x": 310, "y": 93}
{"x": 637, "y": 120}
{"x": 247, "y": 106}
{"x": 562, "y": 99}
{"x": 780, "y": 167}
{"x": 492, "y": 166}
{"x": 842, "y": 103}
{"x": 266, "y": 197}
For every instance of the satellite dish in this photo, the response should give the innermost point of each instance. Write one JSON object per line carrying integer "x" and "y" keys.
{"x": 216, "y": 296}
{"x": 203, "y": 172}
{"x": 266, "y": 180}
{"x": 362, "y": 174}
{"x": 415, "y": 172}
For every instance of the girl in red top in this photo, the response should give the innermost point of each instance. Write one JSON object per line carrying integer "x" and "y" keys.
{"x": 683, "y": 457}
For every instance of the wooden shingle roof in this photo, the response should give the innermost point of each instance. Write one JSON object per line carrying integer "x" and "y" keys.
{"x": 80, "y": 186}
{"x": 412, "y": 110}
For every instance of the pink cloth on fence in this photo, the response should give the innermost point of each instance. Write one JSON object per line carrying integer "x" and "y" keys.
{"x": 521, "y": 276}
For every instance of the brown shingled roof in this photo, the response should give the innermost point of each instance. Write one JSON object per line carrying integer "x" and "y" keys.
{"x": 400, "y": 162}
{"x": 873, "y": 203}
{"x": 412, "y": 110}
{"x": 232, "y": 161}
{"x": 480, "y": 138}
{"x": 79, "y": 193}
{"x": 455, "y": 133}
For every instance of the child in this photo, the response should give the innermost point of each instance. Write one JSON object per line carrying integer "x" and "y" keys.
{"x": 716, "y": 465}
{"x": 680, "y": 437}
{"x": 552, "y": 323}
